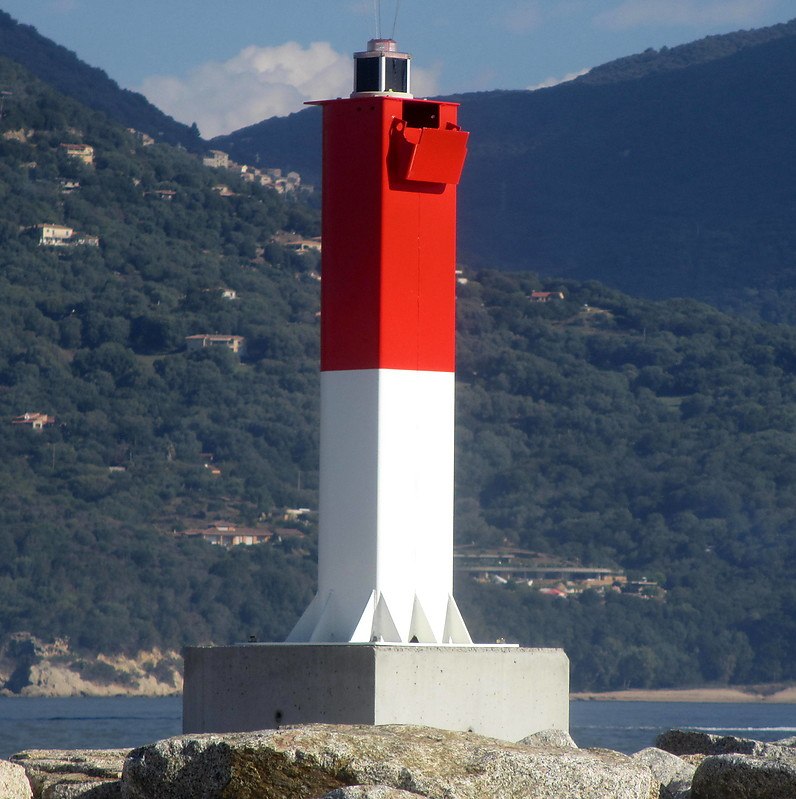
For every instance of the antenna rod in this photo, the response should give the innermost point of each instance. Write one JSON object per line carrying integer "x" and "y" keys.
{"x": 377, "y": 14}
{"x": 395, "y": 18}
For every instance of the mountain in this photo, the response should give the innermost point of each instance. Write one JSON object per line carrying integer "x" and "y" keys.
{"x": 653, "y": 439}
{"x": 702, "y": 51}
{"x": 674, "y": 184}
{"x": 63, "y": 70}
{"x": 113, "y": 253}
{"x": 670, "y": 173}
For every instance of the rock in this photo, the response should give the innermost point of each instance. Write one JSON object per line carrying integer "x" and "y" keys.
{"x": 692, "y": 742}
{"x": 744, "y": 777}
{"x": 555, "y": 738}
{"x": 786, "y": 741}
{"x": 673, "y": 773}
{"x": 13, "y": 781}
{"x": 371, "y": 792}
{"x": 311, "y": 761}
{"x": 30, "y": 666}
{"x": 57, "y": 774}
{"x": 77, "y": 789}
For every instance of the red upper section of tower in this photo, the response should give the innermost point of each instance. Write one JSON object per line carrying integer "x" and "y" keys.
{"x": 390, "y": 171}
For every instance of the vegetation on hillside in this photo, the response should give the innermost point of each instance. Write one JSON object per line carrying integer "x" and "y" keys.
{"x": 63, "y": 70}
{"x": 659, "y": 437}
{"x": 667, "y": 59}
{"x": 653, "y": 436}
{"x": 95, "y": 337}
{"x": 666, "y": 174}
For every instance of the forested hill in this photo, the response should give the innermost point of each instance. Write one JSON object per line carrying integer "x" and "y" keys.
{"x": 674, "y": 184}
{"x": 666, "y": 173}
{"x": 95, "y": 336}
{"x": 600, "y": 430}
{"x": 669, "y": 173}
{"x": 63, "y": 70}
{"x": 711, "y": 48}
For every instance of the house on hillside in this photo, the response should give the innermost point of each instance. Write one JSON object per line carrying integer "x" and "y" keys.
{"x": 546, "y": 296}
{"x": 200, "y": 341}
{"x": 83, "y": 152}
{"x": 223, "y": 191}
{"x": 216, "y": 159}
{"x": 292, "y": 241}
{"x": 49, "y": 234}
{"x": 294, "y": 514}
{"x": 34, "y": 420}
{"x": 144, "y": 139}
{"x": 163, "y": 194}
{"x": 228, "y": 535}
{"x": 52, "y": 235}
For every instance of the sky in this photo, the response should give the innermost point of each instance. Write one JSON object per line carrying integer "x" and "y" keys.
{"x": 225, "y": 65}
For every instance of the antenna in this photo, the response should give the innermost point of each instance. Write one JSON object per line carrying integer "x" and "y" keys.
{"x": 395, "y": 18}
{"x": 377, "y": 17}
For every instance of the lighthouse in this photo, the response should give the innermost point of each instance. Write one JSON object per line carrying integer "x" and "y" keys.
{"x": 383, "y": 641}
{"x": 391, "y": 164}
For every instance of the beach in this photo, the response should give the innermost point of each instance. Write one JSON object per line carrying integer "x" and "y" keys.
{"x": 772, "y": 694}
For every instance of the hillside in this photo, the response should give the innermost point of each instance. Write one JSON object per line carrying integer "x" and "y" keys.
{"x": 665, "y": 174}
{"x": 94, "y": 337}
{"x": 601, "y": 430}
{"x": 63, "y": 70}
{"x": 702, "y": 51}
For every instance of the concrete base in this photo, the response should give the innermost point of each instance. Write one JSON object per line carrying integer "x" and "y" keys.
{"x": 501, "y": 691}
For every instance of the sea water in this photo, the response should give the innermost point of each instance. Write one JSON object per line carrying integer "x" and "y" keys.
{"x": 630, "y": 726}
{"x": 86, "y": 722}
{"x": 124, "y": 723}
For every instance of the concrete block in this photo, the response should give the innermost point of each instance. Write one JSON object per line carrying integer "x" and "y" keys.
{"x": 505, "y": 692}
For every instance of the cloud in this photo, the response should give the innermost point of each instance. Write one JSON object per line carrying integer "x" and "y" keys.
{"x": 548, "y": 82}
{"x": 260, "y": 82}
{"x": 640, "y": 13}
{"x": 257, "y": 83}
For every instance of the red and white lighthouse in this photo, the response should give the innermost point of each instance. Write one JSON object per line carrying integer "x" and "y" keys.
{"x": 377, "y": 645}
{"x": 391, "y": 164}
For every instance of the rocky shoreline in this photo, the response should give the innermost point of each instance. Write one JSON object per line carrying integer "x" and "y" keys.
{"x": 32, "y": 667}
{"x": 405, "y": 762}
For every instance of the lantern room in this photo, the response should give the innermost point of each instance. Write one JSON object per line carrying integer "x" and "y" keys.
{"x": 381, "y": 69}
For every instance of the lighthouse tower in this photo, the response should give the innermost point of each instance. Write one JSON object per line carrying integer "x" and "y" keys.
{"x": 391, "y": 164}
{"x": 383, "y": 642}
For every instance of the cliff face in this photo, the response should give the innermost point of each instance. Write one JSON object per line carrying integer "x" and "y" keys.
{"x": 31, "y": 667}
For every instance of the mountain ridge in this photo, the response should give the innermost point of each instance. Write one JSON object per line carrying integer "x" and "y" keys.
{"x": 667, "y": 179}
{"x": 602, "y": 429}
{"x": 91, "y": 86}
{"x": 700, "y": 51}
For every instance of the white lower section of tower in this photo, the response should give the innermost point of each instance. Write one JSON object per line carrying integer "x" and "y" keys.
{"x": 385, "y": 549}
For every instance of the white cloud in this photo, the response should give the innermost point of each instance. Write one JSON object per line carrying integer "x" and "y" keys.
{"x": 257, "y": 83}
{"x": 639, "y": 13}
{"x": 260, "y": 82}
{"x": 548, "y": 82}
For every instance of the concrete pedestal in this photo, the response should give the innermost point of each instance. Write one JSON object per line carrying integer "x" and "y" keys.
{"x": 501, "y": 691}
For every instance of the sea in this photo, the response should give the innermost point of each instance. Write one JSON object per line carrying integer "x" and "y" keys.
{"x": 127, "y": 722}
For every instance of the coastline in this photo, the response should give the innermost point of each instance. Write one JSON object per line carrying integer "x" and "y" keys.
{"x": 768, "y": 694}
